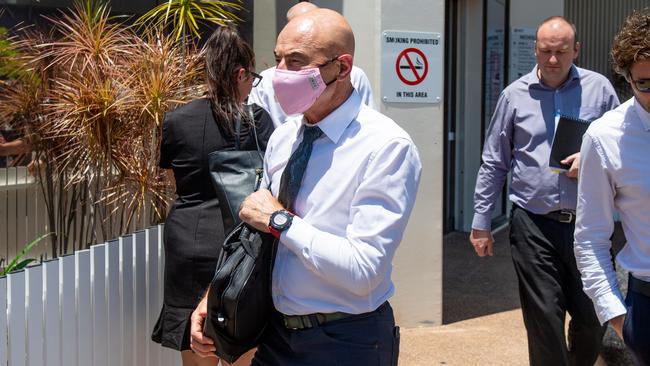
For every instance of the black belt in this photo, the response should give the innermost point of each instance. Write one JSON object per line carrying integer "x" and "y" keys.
{"x": 638, "y": 286}
{"x": 297, "y": 322}
{"x": 564, "y": 216}
{"x": 311, "y": 320}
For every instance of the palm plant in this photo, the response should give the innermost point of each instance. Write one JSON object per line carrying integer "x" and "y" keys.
{"x": 95, "y": 120}
{"x": 184, "y": 16}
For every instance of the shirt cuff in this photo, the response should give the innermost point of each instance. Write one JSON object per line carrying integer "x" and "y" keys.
{"x": 298, "y": 237}
{"x": 482, "y": 221}
{"x": 608, "y": 306}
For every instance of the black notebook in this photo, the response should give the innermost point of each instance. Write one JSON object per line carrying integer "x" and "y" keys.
{"x": 567, "y": 140}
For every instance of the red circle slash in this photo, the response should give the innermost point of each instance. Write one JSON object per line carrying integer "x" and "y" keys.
{"x": 418, "y": 76}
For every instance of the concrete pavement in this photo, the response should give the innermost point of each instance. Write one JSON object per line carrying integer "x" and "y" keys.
{"x": 483, "y": 324}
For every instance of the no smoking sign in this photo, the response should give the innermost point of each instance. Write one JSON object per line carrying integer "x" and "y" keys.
{"x": 411, "y": 67}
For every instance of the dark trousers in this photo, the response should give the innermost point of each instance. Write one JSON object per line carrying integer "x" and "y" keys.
{"x": 636, "y": 328}
{"x": 550, "y": 286}
{"x": 367, "y": 339}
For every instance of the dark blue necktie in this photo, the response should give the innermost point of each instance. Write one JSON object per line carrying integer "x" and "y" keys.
{"x": 292, "y": 176}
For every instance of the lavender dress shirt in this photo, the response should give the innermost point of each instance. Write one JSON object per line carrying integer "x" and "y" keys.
{"x": 519, "y": 141}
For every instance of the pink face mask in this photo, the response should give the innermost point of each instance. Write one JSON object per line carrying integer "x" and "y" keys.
{"x": 296, "y": 91}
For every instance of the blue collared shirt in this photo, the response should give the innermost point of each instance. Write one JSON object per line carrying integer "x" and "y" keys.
{"x": 351, "y": 211}
{"x": 614, "y": 175}
{"x": 519, "y": 141}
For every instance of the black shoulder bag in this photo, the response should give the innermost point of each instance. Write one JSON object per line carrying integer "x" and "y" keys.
{"x": 235, "y": 174}
{"x": 239, "y": 298}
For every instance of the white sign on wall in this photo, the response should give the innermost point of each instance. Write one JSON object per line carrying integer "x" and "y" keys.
{"x": 411, "y": 67}
{"x": 522, "y": 52}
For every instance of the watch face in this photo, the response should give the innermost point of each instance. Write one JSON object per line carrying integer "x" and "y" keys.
{"x": 280, "y": 219}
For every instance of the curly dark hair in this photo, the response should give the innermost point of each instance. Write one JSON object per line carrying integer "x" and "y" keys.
{"x": 632, "y": 43}
{"x": 225, "y": 53}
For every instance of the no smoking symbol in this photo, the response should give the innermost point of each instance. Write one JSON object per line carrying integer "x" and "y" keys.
{"x": 411, "y": 66}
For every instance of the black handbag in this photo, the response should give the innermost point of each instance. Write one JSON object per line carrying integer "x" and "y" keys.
{"x": 239, "y": 298}
{"x": 235, "y": 174}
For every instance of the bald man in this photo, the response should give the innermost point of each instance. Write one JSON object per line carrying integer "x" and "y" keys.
{"x": 299, "y": 9}
{"x": 343, "y": 180}
{"x": 264, "y": 95}
{"x": 544, "y": 201}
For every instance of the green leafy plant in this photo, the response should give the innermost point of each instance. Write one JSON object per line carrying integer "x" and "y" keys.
{"x": 93, "y": 116}
{"x": 20, "y": 261}
{"x": 184, "y": 16}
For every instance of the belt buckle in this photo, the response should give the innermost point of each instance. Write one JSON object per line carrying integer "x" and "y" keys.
{"x": 571, "y": 214}
{"x": 296, "y": 322}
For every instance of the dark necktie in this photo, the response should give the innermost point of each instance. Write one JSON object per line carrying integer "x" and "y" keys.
{"x": 292, "y": 176}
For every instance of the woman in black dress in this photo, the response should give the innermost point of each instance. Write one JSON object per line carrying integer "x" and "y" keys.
{"x": 194, "y": 227}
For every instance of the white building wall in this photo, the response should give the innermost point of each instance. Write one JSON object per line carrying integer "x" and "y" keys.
{"x": 418, "y": 264}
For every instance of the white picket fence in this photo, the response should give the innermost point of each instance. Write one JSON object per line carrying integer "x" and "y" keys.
{"x": 94, "y": 307}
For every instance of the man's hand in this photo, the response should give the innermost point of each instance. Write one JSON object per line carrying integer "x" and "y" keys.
{"x": 201, "y": 345}
{"x": 617, "y": 324}
{"x": 574, "y": 160}
{"x": 482, "y": 241}
{"x": 257, "y": 208}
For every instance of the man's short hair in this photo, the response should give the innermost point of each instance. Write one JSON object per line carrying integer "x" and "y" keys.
{"x": 632, "y": 43}
{"x": 562, "y": 19}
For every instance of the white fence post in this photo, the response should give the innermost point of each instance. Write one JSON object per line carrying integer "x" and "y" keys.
{"x": 16, "y": 319}
{"x": 52, "y": 313}
{"x": 154, "y": 296}
{"x": 3, "y": 321}
{"x": 83, "y": 307}
{"x": 126, "y": 293}
{"x": 113, "y": 302}
{"x": 34, "y": 309}
{"x": 141, "y": 330}
{"x": 68, "y": 313}
{"x": 98, "y": 279}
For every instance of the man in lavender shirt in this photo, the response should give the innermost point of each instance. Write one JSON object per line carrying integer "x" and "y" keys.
{"x": 541, "y": 228}
{"x": 615, "y": 176}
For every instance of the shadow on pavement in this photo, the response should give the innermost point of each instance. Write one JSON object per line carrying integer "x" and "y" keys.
{"x": 474, "y": 286}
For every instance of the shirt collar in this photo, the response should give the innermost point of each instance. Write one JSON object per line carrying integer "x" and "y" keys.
{"x": 532, "y": 79}
{"x": 335, "y": 123}
{"x": 643, "y": 115}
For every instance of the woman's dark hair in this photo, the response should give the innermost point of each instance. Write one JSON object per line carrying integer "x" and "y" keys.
{"x": 225, "y": 53}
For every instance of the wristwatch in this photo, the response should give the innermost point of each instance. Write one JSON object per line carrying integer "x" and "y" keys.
{"x": 279, "y": 222}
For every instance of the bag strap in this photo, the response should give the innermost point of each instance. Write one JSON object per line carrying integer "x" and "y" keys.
{"x": 237, "y": 132}
{"x": 249, "y": 107}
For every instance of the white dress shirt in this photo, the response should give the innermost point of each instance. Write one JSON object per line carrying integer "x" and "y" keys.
{"x": 354, "y": 203}
{"x": 614, "y": 175}
{"x": 264, "y": 96}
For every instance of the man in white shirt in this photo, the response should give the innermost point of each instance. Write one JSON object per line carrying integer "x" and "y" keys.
{"x": 615, "y": 176}
{"x": 264, "y": 96}
{"x": 346, "y": 177}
